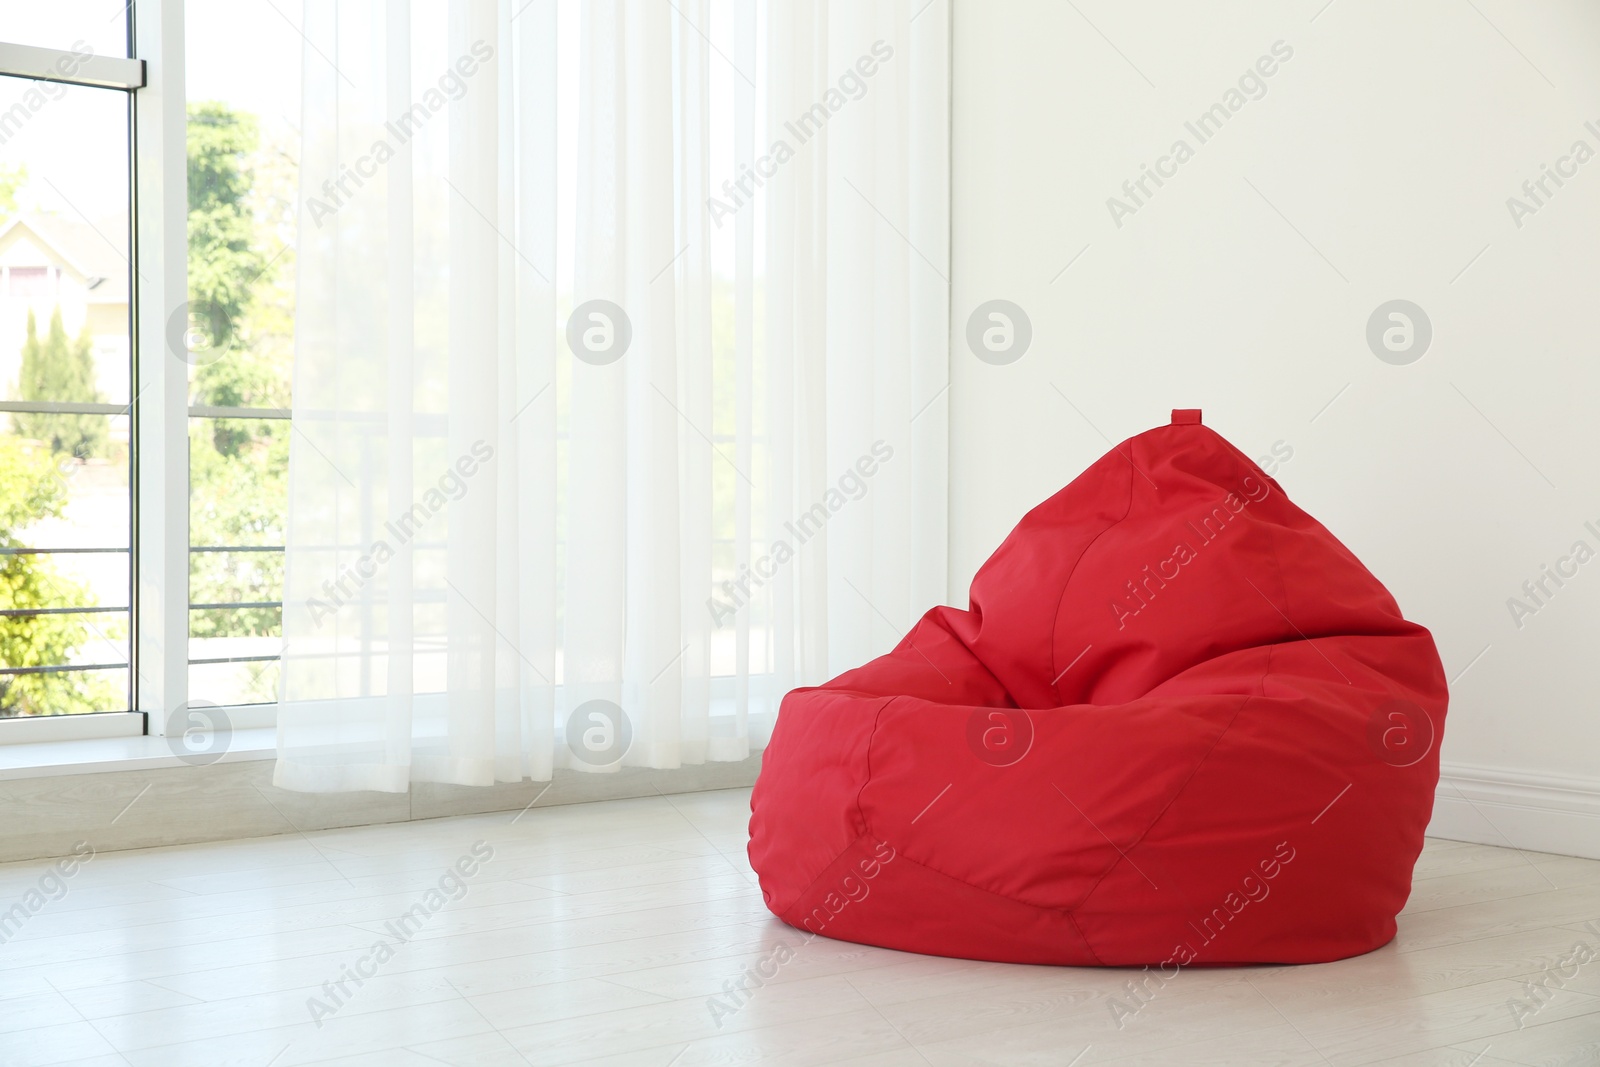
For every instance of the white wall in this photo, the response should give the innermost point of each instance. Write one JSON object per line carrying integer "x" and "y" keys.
{"x": 1376, "y": 166}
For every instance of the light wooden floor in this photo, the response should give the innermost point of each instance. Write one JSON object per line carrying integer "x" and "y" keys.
{"x": 599, "y": 934}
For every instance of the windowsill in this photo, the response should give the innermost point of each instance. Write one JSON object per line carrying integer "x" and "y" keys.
{"x": 99, "y": 754}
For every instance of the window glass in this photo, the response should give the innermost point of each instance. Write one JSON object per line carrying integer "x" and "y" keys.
{"x": 65, "y": 508}
{"x": 243, "y": 142}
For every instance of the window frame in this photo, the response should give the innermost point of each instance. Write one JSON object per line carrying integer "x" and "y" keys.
{"x": 129, "y": 76}
{"x": 160, "y": 467}
{"x": 153, "y": 76}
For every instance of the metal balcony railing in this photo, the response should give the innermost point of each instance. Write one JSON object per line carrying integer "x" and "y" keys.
{"x": 123, "y": 609}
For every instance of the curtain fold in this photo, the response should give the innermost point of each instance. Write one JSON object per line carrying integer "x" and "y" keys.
{"x": 620, "y": 356}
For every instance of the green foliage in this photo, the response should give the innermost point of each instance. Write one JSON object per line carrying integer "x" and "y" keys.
{"x": 58, "y": 369}
{"x": 238, "y": 468}
{"x": 31, "y": 489}
{"x": 243, "y": 502}
{"x": 245, "y": 379}
{"x": 224, "y": 259}
{"x": 227, "y": 271}
{"x": 13, "y": 176}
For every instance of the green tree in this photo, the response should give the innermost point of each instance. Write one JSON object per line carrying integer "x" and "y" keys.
{"x": 227, "y": 270}
{"x": 240, "y": 499}
{"x": 31, "y": 489}
{"x": 238, "y": 468}
{"x": 13, "y": 176}
{"x": 224, "y": 256}
{"x": 59, "y": 369}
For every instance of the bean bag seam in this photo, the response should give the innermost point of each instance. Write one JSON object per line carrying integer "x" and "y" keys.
{"x": 1261, "y": 686}
{"x": 1055, "y": 625}
{"x": 902, "y": 857}
{"x": 861, "y": 814}
{"x": 1122, "y": 852}
{"x": 1072, "y": 917}
{"x": 804, "y": 893}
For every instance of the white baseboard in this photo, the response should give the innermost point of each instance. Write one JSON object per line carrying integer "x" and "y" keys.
{"x": 161, "y": 803}
{"x": 1539, "y": 813}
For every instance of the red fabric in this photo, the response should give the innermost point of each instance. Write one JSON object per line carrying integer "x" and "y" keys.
{"x": 1180, "y": 723}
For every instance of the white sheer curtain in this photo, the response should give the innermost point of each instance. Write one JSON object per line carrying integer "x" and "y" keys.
{"x": 619, "y": 382}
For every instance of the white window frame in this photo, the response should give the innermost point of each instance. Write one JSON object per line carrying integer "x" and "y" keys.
{"x": 160, "y": 617}
{"x": 159, "y": 463}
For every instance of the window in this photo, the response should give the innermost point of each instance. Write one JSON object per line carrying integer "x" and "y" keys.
{"x": 144, "y": 358}
{"x": 148, "y": 174}
{"x": 242, "y": 143}
{"x": 65, "y": 361}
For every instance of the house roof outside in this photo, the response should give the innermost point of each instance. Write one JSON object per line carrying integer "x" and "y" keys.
{"x": 87, "y": 251}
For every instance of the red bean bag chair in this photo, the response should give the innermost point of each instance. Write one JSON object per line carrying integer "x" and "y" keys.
{"x": 1179, "y": 724}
